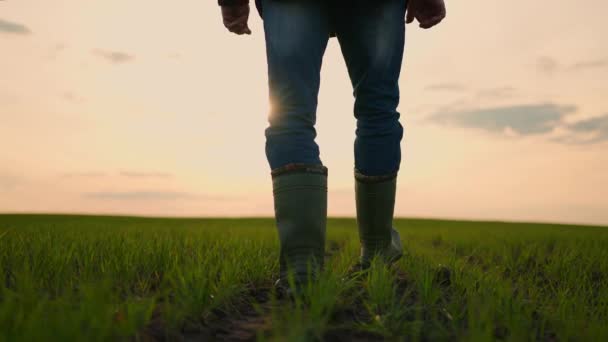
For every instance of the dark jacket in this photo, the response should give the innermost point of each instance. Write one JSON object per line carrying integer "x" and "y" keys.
{"x": 258, "y": 3}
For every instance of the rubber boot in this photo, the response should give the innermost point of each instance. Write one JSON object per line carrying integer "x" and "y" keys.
{"x": 300, "y": 204}
{"x": 375, "y": 200}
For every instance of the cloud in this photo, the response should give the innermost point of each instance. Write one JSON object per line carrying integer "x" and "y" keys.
{"x": 13, "y": 28}
{"x": 139, "y": 195}
{"x": 147, "y": 195}
{"x": 92, "y": 174}
{"x": 72, "y": 97}
{"x": 497, "y": 92}
{"x": 55, "y": 50}
{"x": 9, "y": 181}
{"x": 446, "y": 87}
{"x": 520, "y": 119}
{"x": 592, "y": 130}
{"x": 134, "y": 174}
{"x": 115, "y": 57}
{"x": 598, "y": 63}
{"x": 547, "y": 65}
{"x": 128, "y": 174}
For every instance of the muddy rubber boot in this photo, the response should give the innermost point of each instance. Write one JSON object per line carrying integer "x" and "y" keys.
{"x": 300, "y": 204}
{"x": 375, "y": 200}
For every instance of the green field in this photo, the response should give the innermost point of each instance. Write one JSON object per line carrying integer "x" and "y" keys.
{"x": 98, "y": 278}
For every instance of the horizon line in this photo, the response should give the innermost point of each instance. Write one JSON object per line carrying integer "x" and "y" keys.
{"x": 269, "y": 217}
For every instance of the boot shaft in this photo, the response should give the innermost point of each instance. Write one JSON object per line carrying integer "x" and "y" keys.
{"x": 375, "y": 202}
{"x": 300, "y": 204}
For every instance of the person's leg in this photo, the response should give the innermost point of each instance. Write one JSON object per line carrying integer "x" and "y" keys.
{"x": 296, "y": 33}
{"x": 372, "y": 38}
{"x": 296, "y": 37}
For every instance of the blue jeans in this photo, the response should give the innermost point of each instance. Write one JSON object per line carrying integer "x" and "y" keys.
{"x": 371, "y": 34}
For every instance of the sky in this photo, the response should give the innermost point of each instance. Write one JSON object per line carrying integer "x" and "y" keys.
{"x": 153, "y": 108}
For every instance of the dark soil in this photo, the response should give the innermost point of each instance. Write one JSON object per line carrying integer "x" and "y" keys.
{"x": 251, "y": 317}
{"x": 245, "y": 321}
{"x": 241, "y": 323}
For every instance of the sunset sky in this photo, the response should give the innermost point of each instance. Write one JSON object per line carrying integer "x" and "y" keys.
{"x": 152, "y": 108}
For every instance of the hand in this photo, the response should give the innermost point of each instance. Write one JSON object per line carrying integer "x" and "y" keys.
{"x": 428, "y": 12}
{"x": 235, "y": 18}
